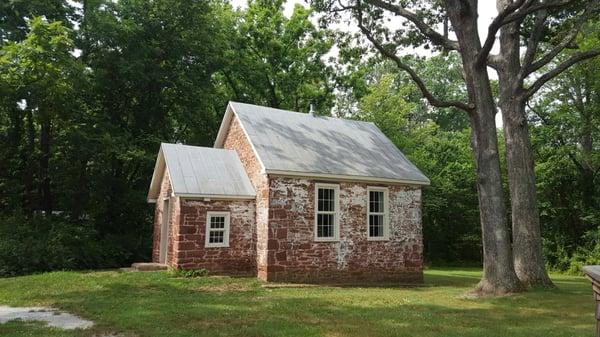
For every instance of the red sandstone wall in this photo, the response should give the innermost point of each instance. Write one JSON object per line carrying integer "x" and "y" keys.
{"x": 294, "y": 255}
{"x": 238, "y": 258}
{"x": 165, "y": 191}
{"x": 273, "y": 236}
{"x": 236, "y": 139}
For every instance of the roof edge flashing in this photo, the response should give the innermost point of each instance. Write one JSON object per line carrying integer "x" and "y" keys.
{"x": 160, "y": 167}
{"x": 224, "y": 127}
{"x": 349, "y": 177}
{"x": 215, "y": 196}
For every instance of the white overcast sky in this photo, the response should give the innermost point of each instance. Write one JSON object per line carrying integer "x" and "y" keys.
{"x": 487, "y": 11}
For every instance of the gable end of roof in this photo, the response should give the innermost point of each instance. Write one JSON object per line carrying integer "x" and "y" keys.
{"x": 228, "y": 118}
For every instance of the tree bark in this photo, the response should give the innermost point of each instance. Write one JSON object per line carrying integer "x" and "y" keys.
{"x": 45, "y": 192}
{"x": 588, "y": 188}
{"x": 498, "y": 270}
{"x": 29, "y": 177}
{"x": 527, "y": 239}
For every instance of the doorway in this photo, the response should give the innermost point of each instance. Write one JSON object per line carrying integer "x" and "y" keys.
{"x": 164, "y": 232}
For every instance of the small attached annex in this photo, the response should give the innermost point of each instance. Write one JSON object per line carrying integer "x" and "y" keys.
{"x": 293, "y": 197}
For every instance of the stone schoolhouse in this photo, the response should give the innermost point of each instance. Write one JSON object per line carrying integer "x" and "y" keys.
{"x": 290, "y": 197}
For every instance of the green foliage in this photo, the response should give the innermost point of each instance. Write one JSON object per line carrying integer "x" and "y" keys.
{"x": 14, "y": 15}
{"x": 278, "y": 61}
{"x": 40, "y": 244}
{"x": 188, "y": 273}
{"x": 450, "y": 213}
{"x": 83, "y": 111}
{"x": 566, "y": 140}
{"x": 586, "y": 254}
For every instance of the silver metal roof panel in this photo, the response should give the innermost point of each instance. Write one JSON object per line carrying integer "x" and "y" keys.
{"x": 298, "y": 143}
{"x": 201, "y": 172}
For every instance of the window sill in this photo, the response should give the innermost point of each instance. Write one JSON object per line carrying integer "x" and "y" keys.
{"x": 327, "y": 239}
{"x": 378, "y": 239}
{"x": 216, "y": 246}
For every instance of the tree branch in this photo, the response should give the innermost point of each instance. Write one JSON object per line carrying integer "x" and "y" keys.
{"x": 575, "y": 58}
{"x": 564, "y": 43}
{"x": 413, "y": 75}
{"x": 495, "y": 26}
{"x": 493, "y": 61}
{"x": 533, "y": 41}
{"x": 424, "y": 28}
{"x": 521, "y": 14}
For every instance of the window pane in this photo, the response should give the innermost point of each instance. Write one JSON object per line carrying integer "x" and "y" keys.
{"x": 326, "y": 200}
{"x": 216, "y": 236}
{"x": 217, "y": 222}
{"x": 376, "y": 201}
{"x": 325, "y": 225}
{"x": 376, "y": 225}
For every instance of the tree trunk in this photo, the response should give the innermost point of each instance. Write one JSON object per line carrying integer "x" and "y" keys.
{"x": 588, "y": 188}
{"x": 527, "y": 238}
{"x": 29, "y": 178}
{"x": 45, "y": 194}
{"x": 498, "y": 270}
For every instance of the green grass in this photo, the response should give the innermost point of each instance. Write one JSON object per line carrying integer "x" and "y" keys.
{"x": 157, "y": 304}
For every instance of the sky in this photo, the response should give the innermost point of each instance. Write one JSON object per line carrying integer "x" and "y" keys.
{"x": 487, "y": 11}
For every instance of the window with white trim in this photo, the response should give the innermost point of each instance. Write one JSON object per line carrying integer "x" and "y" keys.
{"x": 217, "y": 229}
{"x": 377, "y": 213}
{"x": 326, "y": 212}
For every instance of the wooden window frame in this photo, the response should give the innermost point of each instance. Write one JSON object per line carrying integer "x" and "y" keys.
{"x": 209, "y": 216}
{"x": 336, "y": 212}
{"x": 385, "y": 214}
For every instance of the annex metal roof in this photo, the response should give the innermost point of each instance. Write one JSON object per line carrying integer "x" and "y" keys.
{"x": 201, "y": 172}
{"x": 292, "y": 143}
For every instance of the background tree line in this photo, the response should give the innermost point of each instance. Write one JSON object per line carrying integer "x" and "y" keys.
{"x": 89, "y": 89}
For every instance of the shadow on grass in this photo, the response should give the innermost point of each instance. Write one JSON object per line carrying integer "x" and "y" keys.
{"x": 451, "y": 280}
{"x": 155, "y": 304}
{"x": 175, "y": 308}
{"x": 27, "y": 329}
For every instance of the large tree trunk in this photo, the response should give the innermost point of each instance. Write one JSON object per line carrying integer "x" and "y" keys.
{"x": 498, "y": 270}
{"x": 527, "y": 239}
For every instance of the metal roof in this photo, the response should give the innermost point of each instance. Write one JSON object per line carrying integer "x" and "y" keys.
{"x": 201, "y": 172}
{"x": 295, "y": 143}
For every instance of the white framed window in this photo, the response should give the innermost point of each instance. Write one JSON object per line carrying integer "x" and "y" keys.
{"x": 378, "y": 213}
{"x": 217, "y": 229}
{"x": 327, "y": 206}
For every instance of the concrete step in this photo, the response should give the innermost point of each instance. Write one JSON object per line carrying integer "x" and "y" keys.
{"x": 148, "y": 266}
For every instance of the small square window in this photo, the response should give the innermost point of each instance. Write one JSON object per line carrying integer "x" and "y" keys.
{"x": 217, "y": 229}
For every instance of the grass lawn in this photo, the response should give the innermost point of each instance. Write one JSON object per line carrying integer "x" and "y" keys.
{"x": 156, "y": 304}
